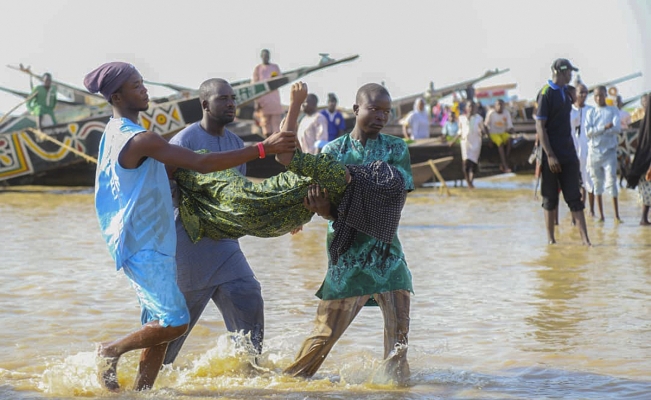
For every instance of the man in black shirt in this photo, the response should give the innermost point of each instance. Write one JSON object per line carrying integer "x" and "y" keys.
{"x": 560, "y": 164}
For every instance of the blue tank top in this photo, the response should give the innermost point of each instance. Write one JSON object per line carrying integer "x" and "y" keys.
{"x": 134, "y": 206}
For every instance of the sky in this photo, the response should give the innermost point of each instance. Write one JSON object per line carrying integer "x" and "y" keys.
{"x": 405, "y": 44}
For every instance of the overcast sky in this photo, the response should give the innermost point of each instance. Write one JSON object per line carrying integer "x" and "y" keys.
{"x": 406, "y": 44}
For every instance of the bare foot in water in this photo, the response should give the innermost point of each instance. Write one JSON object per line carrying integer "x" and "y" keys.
{"x": 107, "y": 365}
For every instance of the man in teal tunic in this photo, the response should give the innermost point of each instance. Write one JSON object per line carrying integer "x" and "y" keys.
{"x": 366, "y": 263}
{"x": 43, "y": 101}
{"x": 370, "y": 271}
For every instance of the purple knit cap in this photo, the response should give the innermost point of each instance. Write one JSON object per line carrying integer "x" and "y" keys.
{"x": 107, "y": 78}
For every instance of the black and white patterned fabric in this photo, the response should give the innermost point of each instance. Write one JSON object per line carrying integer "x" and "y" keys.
{"x": 372, "y": 204}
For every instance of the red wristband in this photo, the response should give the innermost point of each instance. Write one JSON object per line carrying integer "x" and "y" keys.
{"x": 261, "y": 150}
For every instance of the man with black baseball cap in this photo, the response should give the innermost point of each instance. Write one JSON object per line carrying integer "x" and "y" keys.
{"x": 560, "y": 164}
{"x": 563, "y": 64}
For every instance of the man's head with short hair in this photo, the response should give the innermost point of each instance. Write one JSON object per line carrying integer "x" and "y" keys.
{"x": 265, "y": 55}
{"x": 581, "y": 94}
{"x": 310, "y": 104}
{"x": 332, "y": 102}
{"x": 372, "y": 109}
{"x": 369, "y": 90}
{"x": 47, "y": 79}
{"x": 499, "y": 106}
{"x": 218, "y": 101}
{"x": 209, "y": 87}
{"x": 600, "y": 94}
{"x": 419, "y": 104}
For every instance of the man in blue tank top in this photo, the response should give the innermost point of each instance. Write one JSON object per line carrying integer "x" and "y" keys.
{"x": 134, "y": 208}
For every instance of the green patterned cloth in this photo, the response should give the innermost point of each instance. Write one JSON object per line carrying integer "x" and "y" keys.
{"x": 366, "y": 267}
{"x": 225, "y": 204}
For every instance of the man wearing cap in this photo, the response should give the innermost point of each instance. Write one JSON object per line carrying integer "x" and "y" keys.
{"x": 560, "y": 164}
{"x": 134, "y": 208}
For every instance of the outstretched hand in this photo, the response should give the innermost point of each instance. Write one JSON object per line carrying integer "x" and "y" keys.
{"x": 298, "y": 93}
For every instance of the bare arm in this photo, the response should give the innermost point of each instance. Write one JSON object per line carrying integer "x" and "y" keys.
{"x": 150, "y": 144}
{"x": 542, "y": 135}
{"x": 405, "y": 131}
{"x": 297, "y": 95}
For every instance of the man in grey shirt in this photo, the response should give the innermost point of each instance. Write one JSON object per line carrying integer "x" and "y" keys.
{"x": 212, "y": 269}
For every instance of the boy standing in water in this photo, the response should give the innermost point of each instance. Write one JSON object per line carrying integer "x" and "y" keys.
{"x": 134, "y": 208}
{"x": 370, "y": 271}
{"x": 602, "y": 127}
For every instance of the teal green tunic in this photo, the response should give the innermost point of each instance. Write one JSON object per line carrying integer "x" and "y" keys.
{"x": 225, "y": 204}
{"x": 364, "y": 268}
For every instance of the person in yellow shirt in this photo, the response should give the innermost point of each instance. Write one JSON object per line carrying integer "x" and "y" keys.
{"x": 500, "y": 127}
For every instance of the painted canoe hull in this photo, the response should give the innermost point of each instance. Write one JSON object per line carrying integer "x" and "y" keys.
{"x": 26, "y": 160}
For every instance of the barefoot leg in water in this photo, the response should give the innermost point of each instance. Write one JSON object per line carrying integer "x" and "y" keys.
{"x": 107, "y": 364}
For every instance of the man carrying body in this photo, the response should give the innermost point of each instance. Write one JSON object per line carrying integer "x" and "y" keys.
{"x": 268, "y": 107}
{"x": 370, "y": 270}
{"x": 216, "y": 269}
{"x": 560, "y": 166}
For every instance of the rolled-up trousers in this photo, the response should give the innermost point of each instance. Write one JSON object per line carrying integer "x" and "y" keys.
{"x": 334, "y": 317}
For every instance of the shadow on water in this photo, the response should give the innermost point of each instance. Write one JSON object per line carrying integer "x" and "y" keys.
{"x": 561, "y": 272}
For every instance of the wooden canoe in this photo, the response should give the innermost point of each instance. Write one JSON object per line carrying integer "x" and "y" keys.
{"x": 26, "y": 160}
{"x": 424, "y": 172}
